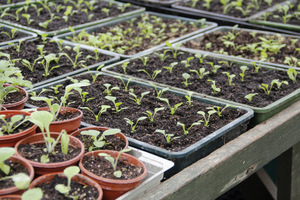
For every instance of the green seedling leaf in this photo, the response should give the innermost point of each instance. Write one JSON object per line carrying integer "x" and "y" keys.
{"x": 5, "y": 153}
{"x": 21, "y": 181}
{"x": 33, "y": 194}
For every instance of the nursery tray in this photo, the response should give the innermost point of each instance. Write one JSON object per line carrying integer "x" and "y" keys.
{"x": 84, "y": 25}
{"x": 155, "y": 2}
{"x": 260, "y": 113}
{"x": 195, "y": 151}
{"x": 255, "y": 19}
{"x": 209, "y": 25}
{"x": 199, "y": 37}
{"x": 190, "y": 10}
{"x": 27, "y": 35}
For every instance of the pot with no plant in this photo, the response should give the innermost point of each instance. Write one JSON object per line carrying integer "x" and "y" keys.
{"x": 12, "y": 97}
{"x": 64, "y": 117}
{"x": 15, "y": 172}
{"x": 120, "y": 172}
{"x": 68, "y": 184}
{"x": 14, "y": 126}
{"x": 101, "y": 138}
{"x": 48, "y": 151}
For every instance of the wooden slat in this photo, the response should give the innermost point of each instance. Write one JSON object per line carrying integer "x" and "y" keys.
{"x": 223, "y": 169}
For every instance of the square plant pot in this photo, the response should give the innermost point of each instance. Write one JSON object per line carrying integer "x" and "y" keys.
{"x": 222, "y": 128}
{"x": 201, "y": 87}
{"x": 103, "y": 41}
{"x": 13, "y": 34}
{"x": 265, "y": 18}
{"x": 216, "y": 8}
{"x": 55, "y": 74}
{"x": 281, "y": 45}
{"x": 79, "y": 22}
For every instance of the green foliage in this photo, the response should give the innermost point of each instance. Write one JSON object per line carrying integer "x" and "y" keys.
{"x": 206, "y": 119}
{"x": 137, "y": 100}
{"x": 116, "y": 104}
{"x": 292, "y": 73}
{"x": 132, "y": 124}
{"x": 186, "y": 76}
{"x": 69, "y": 172}
{"x": 242, "y": 74}
{"x": 267, "y": 88}
{"x": 201, "y": 72}
{"x": 186, "y": 130}
{"x": 33, "y": 194}
{"x": 229, "y": 76}
{"x": 169, "y": 137}
{"x": 13, "y": 123}
{"x": 152, "y": 115}
{"x": 250, "y": 96}
{"x": 101, "y": 111}
{"x": 173, "y": 109}
{"x": 214, "y": 87}
{"x": 5, "y": 153}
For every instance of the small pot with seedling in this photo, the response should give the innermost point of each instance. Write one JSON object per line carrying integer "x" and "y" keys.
{"x": 15, "y": 173}
{"x": 101, "y": 138}
{"x": 120, "y": 173}
{"x": 48, "y": 151}
{"x": 67, "y": 185}
{"x": 15, "y": 126}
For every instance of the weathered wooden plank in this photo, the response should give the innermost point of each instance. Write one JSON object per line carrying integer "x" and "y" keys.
{"x": 215, "y": 174}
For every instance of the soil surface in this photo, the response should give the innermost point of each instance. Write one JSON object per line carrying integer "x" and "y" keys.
{"x": 83, "y": 192}
{"x": 30, "y": 52}
{"x": 13, "y": 97}
{"x": 145, "y": 129}
{"x": 217, "y": 7}
{"x": 235, "y": 92}
{"x": 34, "y": 152}
{"x": 244, "y": 41}
{"x": 80, "y": 13}
{"x": 6, "y": 38}
{"x": 15, "y": 168}
{"x": 92, "y": 163}
{"x": 138, "y": 34}
{"x": 5, "y": 2}
{"x": 22, "y": 127}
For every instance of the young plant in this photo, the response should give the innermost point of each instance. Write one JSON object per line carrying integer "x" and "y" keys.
{"x": 163, "y": 56}
{"x": 99, "y": 142}
{"x": 214, "y": 67}
{"x": 9, "y": 126}
{"x": 206, "y": 118}
{"x": 250, "y": 96}
{"x": 154, "y": 74}
{"x": 292, "y": 73}
{"x": 108, "y": 89}
{"x": 201, "y": 72}
{"x": 11, "y": 34}
{"x": 27, "y": 16}
{"x": 151, "y": 115}
{"x": 74, "y": 62}
{"x": 214, "y": 87}
{"x": 187, "y": 62}
{"x": 144, "y": 60}
{"x": 33, "y": 194}
{"x": 101, "y": 111}
{"x": 126, "y": 85}
{"x": 137, "y": 100}
{"x": 116, "y": 104}
{"x": 200, "y": 57}
{"x": 69, "y": 172}
{"x": 124, "y": 66}
{"x": 189, "y": 97}
{"x": 229, "y": 76}
{"x": 242, "y": 74}
{"x": 169, "y": 137}
{"x": 159, "y": 93}
{"x": 170, "y": 68}
{"x": 256, "y": 67}
{"x": 173, "y": 109}
{"x": 267, "y": 89}
{"x": 186, "y": 131}
{"x": 114, "y": 162}
{"x": 219, "y": 110}
{"x": 132, "y": 124}
{"x": 186, "y": 76}
{"x": 175, "y": 49}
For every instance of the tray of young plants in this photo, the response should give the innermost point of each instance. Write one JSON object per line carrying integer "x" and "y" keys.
{"x": 138, "y": 33}
{"x": 9, "y": 34}
{"x": 55, "y": 17}
{"x": 265, "y": 89}
{"x": 171, "y": 124}
{"x": 286, "y": 16}
{"x": 241, "y": 10}
{"x": 268, "y": 48}
{"x": 44, "y": 60}
{"x": 158, "y": 2}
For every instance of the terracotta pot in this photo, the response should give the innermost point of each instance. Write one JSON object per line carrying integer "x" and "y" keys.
{"x": 46, "y": 168}
{"x": 79, "y": 178}
{"x": 69, "y": 125}
{"x": 99, "y": 128}
{"x": 10, "y": 197}
{"x": 28, "y": 166}
{"x": 11, "y": 140}
{"x": 17, "y": 105}
{"x": 113, "y": 188}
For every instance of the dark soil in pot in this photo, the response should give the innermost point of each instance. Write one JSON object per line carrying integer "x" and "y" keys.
{"x": 83, "y": 192}
{"x": 217, "y": 7}
{"x": 30, "y": 52}
{"x": 4, "y": 37}
{"x": 92, "y": 163}
{"x": 145, "y": 130}
{"x": 235, "y": 92}
{"x": 244, "y": 39}
{"x": 15, "y": 168}
{"x": 21, "y": 128}
{"x": 13, "y": 97}
{"x": 80, "y": 14}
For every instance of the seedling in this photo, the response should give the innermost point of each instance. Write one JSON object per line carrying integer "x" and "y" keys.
{"x": 154, "y": 74}
{"x": 173, "y": 109}
{"x": 214, "y": 67}
{"x": 219, "y": 110}
{"x": 186, "y": 131}
{"x": 69, "y": 172}
{"x": 250, "y": 96}
{"x": 292, "y": 61}
{"x": 170, "y": 68}
{"x": 267, "y": 89}
{"x": 175, "y": 49}
{"x": 159, "y": 93}
{"x": 256, "y": 67}
{"x": 152, "y": 115}
{"x": 201, "y": 72}
{"x": 242, "y": 75}
{"x": 137, "y": 100}
{"x": 162, "y": 56}
{"x": 200, "y": 57}
{"x": 5, "y": 153}
{"x": 116, "y": 104}
{"x": 126, "y": 85}
{"x": 189, "y": 97}
{"x": 169, "y": 137}
{"x": 132, "y": 124}
{"x": 74, "y": 62}
{"x": 9, "y": 126}
{"x": 206, "y": 118}
{"x": 144, "y": 60}
{"x": 101, "y": 111}
{"x": 187, "y": 61}
{"x": 114, "y": 162}
{"x": 27, "y": 16}
{"x": 229, "y": 76}
{"x": 214, "y": 87}
{"x": 186, "y": 76}
{"x": 11, "y": 34}
{"x": 108, "y": 89}
{"x": 292, "y": 73}
{"x": 33, "y": 194}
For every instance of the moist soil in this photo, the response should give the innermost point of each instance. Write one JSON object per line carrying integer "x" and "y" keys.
{"x": 13, "y": 97}
{"x": 92, "y": 163}
{"x": 15, "y": 168}
{"x": 235, "y": 92}
{"x": 6, "y": 38}
{"x": 146, "y": 130}
{"x": 81, "y": 16}
{"x": 82, "y": 191}
{"x": 30, "y": 52}
{"x": 163, "y": 29}
{"x": 34, "y": 152}
{"x": 5, "y": 2}
{"x": 217, "y": 7}
{"x": 22, "y": 127}
{"x": 112, "y": 142}
{"x": 243, "y": 39}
